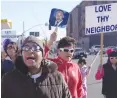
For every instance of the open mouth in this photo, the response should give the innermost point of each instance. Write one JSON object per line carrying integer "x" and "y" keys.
{"x": 68, "y": 56}
{"x": 30, "y": 58}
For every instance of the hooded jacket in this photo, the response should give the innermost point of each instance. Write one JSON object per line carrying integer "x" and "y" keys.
{"x": 71, "y": 73}
{"x": 18, "y": 84}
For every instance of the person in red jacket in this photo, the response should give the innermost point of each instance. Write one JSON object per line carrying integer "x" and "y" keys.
{"x": 108, "y": 74}
{"x": 66, "y": 66}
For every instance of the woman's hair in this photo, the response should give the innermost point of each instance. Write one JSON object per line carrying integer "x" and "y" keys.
{"x": 81, "y": 60}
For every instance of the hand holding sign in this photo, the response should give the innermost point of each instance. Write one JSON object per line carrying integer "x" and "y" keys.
{"x": 100, "y": 67}
{"x": 56, "y": 29}
{"x": 53, "y": 38}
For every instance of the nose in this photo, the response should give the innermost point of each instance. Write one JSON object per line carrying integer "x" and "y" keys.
{"x": 30, "y": 50}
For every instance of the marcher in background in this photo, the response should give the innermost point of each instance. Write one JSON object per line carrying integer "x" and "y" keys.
{"x": 3, "y": 56}
{"x": 85, "y": 70}
{"x": 66, "y": 66}
{"x": 10, "y": 49}
{"x": 108, "y": 74}
{"x": 34, "y": 76}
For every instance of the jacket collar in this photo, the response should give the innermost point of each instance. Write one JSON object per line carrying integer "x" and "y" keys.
{"x": 8, "y": 58}
{"x": 47, "y": 66}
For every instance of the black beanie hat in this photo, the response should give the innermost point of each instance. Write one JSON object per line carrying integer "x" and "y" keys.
{"x": 113, "y": 54}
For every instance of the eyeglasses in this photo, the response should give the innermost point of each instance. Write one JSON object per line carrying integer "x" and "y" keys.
{"x": 67, "y": 50}
{"x": 31, "y": 48}
{"x": 113, "y": 58}
{"x": 10, "y": 47}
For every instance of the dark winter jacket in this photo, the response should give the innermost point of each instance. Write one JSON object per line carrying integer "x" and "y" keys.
{"x": 18, "y": 84}
{"x": 109, "y": 84}
{"x": 7, "y": 65}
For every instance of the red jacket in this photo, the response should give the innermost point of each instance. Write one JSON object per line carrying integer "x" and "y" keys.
{"x": 71, "y": 73}
{"x": 99, "y": 75}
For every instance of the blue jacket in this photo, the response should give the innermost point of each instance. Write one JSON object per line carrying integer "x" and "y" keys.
{"x": 7, "y": 65}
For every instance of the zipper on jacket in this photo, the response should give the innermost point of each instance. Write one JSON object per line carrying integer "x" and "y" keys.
{"x": 66, "y": 74}
{"x": 36, "y": 89}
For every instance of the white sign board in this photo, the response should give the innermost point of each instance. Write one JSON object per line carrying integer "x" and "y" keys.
{"x": 100, "y": 18}
{"x": 8, "y": 34}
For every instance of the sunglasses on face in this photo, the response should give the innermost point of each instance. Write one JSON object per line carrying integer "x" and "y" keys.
{"x": 113, "y": 58}
{"x": 33, "y": 48}
{"x": 67, "y": 50}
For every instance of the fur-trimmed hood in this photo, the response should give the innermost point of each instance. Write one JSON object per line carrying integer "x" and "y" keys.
{"x": 47, "y": 66}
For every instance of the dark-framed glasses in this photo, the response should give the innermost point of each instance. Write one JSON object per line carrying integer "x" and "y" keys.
{"x": 33, "y": 48}
{"x": 10, "y": 47}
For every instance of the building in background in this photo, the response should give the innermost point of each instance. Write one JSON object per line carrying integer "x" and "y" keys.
{"x": 34, "y": 34}
{"x": 76, "y": 27}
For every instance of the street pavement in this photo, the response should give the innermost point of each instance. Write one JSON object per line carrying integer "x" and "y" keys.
{"x": 94, "y": 86}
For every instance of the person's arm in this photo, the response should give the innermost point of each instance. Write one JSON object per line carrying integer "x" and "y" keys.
{"x": 53, "y": 38}
{"x": 46, "y": 51}
{"x": 100, "y": 73}
{"x": 79, "y": 85}
{"x": 47, "y": 47}
{"x": 88, "y": 70}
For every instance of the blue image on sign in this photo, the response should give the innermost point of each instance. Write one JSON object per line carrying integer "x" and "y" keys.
{"x": 58, "y": 18}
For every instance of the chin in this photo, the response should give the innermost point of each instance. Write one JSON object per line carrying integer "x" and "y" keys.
{"x": 68, "y": 59}
{"x": 30, "y": 65}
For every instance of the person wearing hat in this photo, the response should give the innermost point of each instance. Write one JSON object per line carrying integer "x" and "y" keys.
{"x": 34, "y": 76}
{"x": 10, "y": 49}
{"x": 108, "y": 74}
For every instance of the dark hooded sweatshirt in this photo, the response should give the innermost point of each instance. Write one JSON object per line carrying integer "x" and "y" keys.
{"x": 18, "y": 84}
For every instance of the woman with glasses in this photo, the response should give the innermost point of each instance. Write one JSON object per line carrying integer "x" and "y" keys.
{"x": 34, "y": 76}
{"x": 10, "y": 49}
{"x": 108, "y": 74}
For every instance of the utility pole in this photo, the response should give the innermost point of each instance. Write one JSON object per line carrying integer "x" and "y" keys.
{"x": 23, "y": 27}
{"x": 22, "y": 36}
